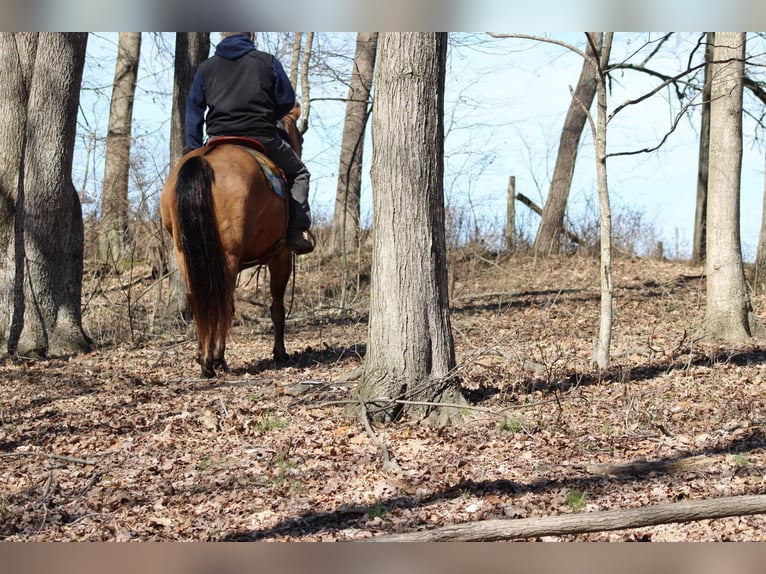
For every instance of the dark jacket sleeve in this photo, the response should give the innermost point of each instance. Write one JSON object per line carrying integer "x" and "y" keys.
{"x": 195, "y": 113}
{"x": 283, "y": 90}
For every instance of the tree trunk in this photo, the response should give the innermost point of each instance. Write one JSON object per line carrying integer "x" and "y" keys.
{"x": 345, "y": 222}
{"x": 192, "y": 48}
{"x": 510, "y": 216}
{"x": 410, "y": 352}
{"x": 607, "y": 288}
{"x": 497, "y": 529}
{"x": 46, "y": 251}
{"x": 295, "y": 58}
{"x": 728, "y": 305}
{"x": 700, "y": 215}
{"x": 113, "y": 232}
{"x": 549, "y": 233}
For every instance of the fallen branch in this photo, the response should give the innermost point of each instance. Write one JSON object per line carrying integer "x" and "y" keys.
{"x": 60, "y": 457}
{"x": 602, "y": 521}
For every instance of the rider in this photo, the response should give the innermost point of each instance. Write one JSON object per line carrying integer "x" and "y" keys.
{"x": 245, "y": 92}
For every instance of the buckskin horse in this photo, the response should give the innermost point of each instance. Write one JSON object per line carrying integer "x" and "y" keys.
{"x": 226, "y": 207}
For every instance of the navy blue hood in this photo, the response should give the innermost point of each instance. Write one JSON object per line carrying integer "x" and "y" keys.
{"x": 234, "y": 47}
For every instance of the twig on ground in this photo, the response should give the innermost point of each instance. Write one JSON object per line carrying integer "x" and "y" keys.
{"x": 388, "y": 464}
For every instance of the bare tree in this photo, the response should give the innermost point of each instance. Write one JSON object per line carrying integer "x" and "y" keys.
{"x": 552, "y": 221}
{"x": 113, "y": 233}
{"x": 46, "y": 252}
{"x": 410, "y": 354}
{"x": 345, "y": 222}
{"x": 728, "y": 313}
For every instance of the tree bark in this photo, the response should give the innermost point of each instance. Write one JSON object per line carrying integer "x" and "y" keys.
{"x": 345, "y": 222}
{"x": 700, "y": 214}
{"x": 548, "y": 236}
{"x": 728, "y": 306}
{"x": 493, "y": 530}
{"x": 46, "y": 252}
{"x": 113, "y": 231}
{"x": 410, "y": 353}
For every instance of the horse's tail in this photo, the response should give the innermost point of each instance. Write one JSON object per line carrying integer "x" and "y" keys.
{"x": 211, "y": 295}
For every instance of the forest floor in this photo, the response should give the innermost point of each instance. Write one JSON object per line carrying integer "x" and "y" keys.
{"x": 127, "y": 443}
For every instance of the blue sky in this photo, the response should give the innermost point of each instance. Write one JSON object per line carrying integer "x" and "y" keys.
{"x": 506, "y": 101}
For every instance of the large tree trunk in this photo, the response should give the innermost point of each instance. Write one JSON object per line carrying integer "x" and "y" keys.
{"x": 552, "y": 222}
{"x": 728, "y": 305}
{"x": 192, "y": 48}
{"x": 345, "y": 222}
{"x": 700, "y": 215}
{"x": 46, "y": 251}
{"x": 113, "y": 232}
{"x": 410, "y": 351}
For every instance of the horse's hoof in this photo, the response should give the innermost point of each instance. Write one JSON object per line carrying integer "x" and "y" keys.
{"x": 281, "y": 357}
{"x": 222, "y": 365}
{"x": 208, "y": 372}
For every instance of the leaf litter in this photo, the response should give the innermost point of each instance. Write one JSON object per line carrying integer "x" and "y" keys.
{"x": 127, "y": 444}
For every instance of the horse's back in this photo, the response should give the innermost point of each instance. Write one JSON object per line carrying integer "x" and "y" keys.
{"x": 251, "y": 216}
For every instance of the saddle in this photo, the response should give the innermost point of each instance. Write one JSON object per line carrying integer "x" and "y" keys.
{"x": 273, "y": 173}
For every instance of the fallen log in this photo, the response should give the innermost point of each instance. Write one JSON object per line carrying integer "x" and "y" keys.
{"x": 600, "y": 521}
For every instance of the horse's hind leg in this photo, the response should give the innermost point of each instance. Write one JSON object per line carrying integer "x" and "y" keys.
{"x": 280, "y": 268}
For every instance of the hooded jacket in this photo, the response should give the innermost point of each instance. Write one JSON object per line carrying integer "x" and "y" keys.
{"x": 244, "y": 90}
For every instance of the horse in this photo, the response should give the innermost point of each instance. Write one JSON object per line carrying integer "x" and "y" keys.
{"x": 222, "y": 207}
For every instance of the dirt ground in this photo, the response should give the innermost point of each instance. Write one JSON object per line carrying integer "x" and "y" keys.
{"x": 127, "y": 443}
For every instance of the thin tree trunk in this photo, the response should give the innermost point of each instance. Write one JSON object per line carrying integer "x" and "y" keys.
{"x": 728, "y": 305}
{"x": 510, "y": 218}
{"x": 760, "y": 256}
{"x": 603, "y": 521}
{"x": 113, "y": 232}
{"x": 700, "y": 215}
{"x": 410, "y": 351}
{"x": 296, "y": 58}
{"x": 549, "y": 232}
{"x": 603, "y": 344}
{"x": 345, "y": 222}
